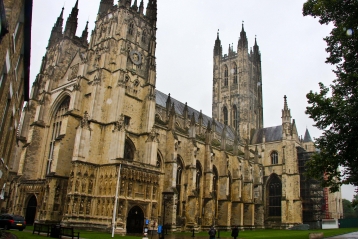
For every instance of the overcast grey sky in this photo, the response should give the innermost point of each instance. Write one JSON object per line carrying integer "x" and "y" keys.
{"x": 292, "y": 49}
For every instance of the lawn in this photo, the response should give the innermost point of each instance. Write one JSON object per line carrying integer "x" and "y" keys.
{"x": 256, "y": 234}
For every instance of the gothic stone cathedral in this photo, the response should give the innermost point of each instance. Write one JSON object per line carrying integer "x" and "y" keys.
{"x": 94, "y": 107}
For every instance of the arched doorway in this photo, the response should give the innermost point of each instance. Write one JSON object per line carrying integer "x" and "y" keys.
{"x": 135, "y": 220}
{"x": 31, "y": 210}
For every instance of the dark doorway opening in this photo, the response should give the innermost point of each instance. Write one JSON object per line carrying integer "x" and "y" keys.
{"x": 135, "y": 220}
{"x": 31, "y": 210}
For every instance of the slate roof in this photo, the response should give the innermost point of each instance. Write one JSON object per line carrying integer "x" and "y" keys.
{"x": 271, "y": 134}
{"x": 161, "y": 100}
{"x": 307, "y": 137}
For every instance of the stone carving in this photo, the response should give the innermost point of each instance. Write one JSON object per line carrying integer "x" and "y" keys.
{"x": 74, "y": 72}
{"x": 88, "y": 207}
{"x": 119, "y": 125}
{"x": 90, "y": 186}
{"x": 84, "y": 121}
{"x": 83, "y": 187}
{"x": 81, "y": 206}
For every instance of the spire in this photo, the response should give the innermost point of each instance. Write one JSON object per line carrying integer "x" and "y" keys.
{"x": 141, "y": 7}
{"x": 59, "y": 21}
{"x": 307, "y": 137}
{"x": 172, "y": 116}
{"x": 135, "y": 6}
{"x": 71, "y": 24}
{"x": 104, "y": 6}
{"x": 243, "y": 39}
{"x": 286, "y": 112}
{"x": 168, "y": 103}
{"x": 56, "y": 32}
{"x": 85, "y": 34}
{"x": 185, "y": 110}
{"x": 257, "y": 56}
{"x": 200, "y": 118}
{"x": 217, "y": 47}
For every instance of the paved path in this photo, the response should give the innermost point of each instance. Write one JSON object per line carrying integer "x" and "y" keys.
{"x": 352, "y": 235}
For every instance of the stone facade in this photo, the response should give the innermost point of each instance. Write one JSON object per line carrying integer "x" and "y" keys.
{"x": 95, "y": 116}
{"x": 15, "y": 40}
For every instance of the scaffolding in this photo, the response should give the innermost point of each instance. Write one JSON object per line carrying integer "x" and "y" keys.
{"x": 312, "y": 193}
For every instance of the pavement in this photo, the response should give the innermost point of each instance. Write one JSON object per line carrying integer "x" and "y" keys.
{"x": 352, "y": 235}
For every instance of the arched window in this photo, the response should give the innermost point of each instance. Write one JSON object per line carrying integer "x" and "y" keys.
{"x": 159, "y": 161}
{"x": 215, "y": 179}
{"x": 144, "y": 37}
{"x": 129, "y": 150}
{"x": 180, "y": 168}
{"x": 131, "y": 28}
{"x": 225, "y": 115}
{"x": 215, "y": 190}
{"x": 229, "y": 185}
{"x": 274, "y": 157}
{"x": 234, "y": 116}
{"x": 235, "y": 73}
{"x": 274, "y": 196}
{"x": 198, "y": 176}
{"x": 56, "y": 129}
{"x": 226, "y": 76}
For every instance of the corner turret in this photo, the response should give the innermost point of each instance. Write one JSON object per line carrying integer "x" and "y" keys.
{"x": 71, "y": 24}
{"x": 151, "y": 11}
{"x": 56, "y": 32}
{"x": 141, "y": 7}
{"x": 104, "y": 6}
{"x": 256, "y": 53}
{"x": 135, "y": 5}
{"x": 85, "y": 34}
{"x": 242, "y": 44}
{"x": 307, "y": 142}
{"x": 218, "y": 48}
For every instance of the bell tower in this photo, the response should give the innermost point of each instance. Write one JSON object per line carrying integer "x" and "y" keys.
{"x": 237, "y": 87}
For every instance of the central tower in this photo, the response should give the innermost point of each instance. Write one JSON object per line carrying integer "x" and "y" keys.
{"x": 237, "y": 87}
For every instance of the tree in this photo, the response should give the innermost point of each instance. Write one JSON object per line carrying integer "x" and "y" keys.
{"x": 335, "y": 108}
{"x": 348, "y": 211}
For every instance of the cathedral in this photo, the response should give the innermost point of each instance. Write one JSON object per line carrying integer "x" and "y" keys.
{"x": 96, "y": 126}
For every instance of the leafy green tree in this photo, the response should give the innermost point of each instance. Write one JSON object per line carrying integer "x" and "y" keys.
{"x": 348, "y": 211}
{"x": 335, "y": 108}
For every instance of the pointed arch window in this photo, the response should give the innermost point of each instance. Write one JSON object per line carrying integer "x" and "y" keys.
{"x": 229, "y": 185}
{"x": 144, "y": 37}
{"x": 180, "y": 168}
{"x": 129, "y": 150}
{"x": 274, "y": 157}
{"x": 225, "y": 115}
{"x": 131, "y": 28}
{"x": 235, "y": 118}
{"x": 56, "y": 129}
{"x": 215, "y": 179}
{"x": 159, "y": 161}
{"x": 235, "y": 74}
{"x": 226, "y": 76}
{"x": 274, "y": 196}
{"x": 198, "y": 176}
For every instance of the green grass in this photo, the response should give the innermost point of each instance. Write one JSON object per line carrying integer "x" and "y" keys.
{"x": 256, "y": 234}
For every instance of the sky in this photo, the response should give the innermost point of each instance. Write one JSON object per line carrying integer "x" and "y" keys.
{"x": 291, "y": 45}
